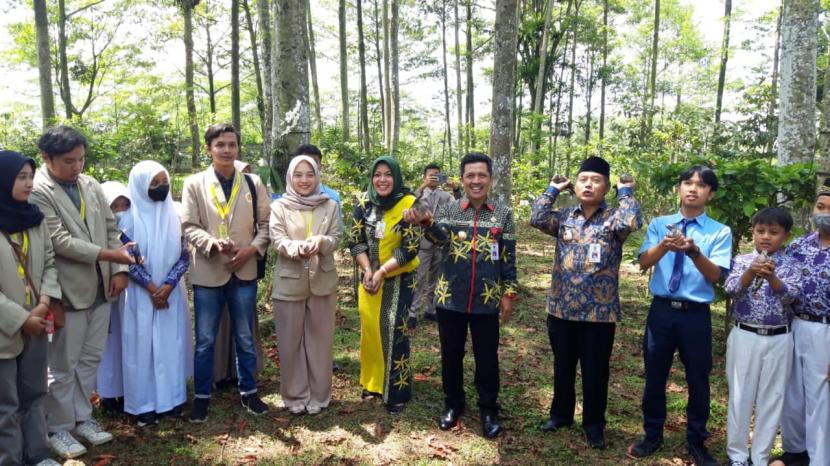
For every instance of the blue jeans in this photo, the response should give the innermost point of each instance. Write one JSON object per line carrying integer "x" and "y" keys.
{"x": 689, "y": 332}
{"x": 240, "y": 296}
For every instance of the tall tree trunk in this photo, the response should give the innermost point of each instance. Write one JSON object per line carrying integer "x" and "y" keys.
{"x": 471, "y": 103}
{"x": 559, "y": 87}
{"x": 394, "y": 24}
{"x": 571, "y": 91}
{"x": 210, "y": 74}
{"x": 260, "y": 100}
{"x": 539, "y": 95}
{"x": 724, "y": 57}
{"x": 187, "y": 11}
{"x": 797, "y": 116}
{"x": 344, "y": 71}
{"x": 458, "y": 90}
{"x": 652, "y": 79}
{"x": 604, "y": 71}
{"x": 66, "y": 91}
{"x": 773, "y": 100}
{"x": 589, "y": 92}
{"x": 44, "y": 64}
{"x": 447, "y": 130}
{"x": 381, "y": 60}
{"x": 387, "y": 71}
{"x": 268, "y": 88}
{"x": 364, "y": 100}
{"x": 312, "y": 64}
{"x": 823, "y": 158}
{"x": 504, "y": 79}
{"x": 236, "y": 117}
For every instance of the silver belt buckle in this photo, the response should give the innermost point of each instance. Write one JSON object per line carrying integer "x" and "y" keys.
{"x": 676, "y": 305}
{"x": 762, "y": 331}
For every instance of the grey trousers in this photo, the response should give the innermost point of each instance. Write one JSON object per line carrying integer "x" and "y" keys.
{"x": 74, "y": 356}
{"x": 305, "y": 339}
{"x": 23, "y": 433}
{"x": 428, "y": 271}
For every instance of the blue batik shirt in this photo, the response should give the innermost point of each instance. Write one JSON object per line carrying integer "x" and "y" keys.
{"x": 758, "y": 304}
{"x": 815, "y": 275}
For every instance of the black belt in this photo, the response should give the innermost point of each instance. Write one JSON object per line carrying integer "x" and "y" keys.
{"x": 812, "y": 318}
{"x": 765, "y": 331}
{"x": 682, "y": 305}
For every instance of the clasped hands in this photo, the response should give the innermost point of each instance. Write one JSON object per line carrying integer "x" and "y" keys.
{"x": 238, "y": 256}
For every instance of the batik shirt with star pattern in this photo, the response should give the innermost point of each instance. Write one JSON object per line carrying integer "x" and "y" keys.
{"x": 583, "y": 289}
{"x": 479, "y": 256}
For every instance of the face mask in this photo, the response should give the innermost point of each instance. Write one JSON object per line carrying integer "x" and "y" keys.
{"x": 822, "y": 222}
{"x": 119, "y": 215}
{"x": 159, "y": 193}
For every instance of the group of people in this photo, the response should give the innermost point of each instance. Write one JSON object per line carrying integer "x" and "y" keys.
{"x": 93, "y": 297}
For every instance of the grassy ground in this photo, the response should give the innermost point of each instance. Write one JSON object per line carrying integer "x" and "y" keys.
{"x": 352, "y": 431}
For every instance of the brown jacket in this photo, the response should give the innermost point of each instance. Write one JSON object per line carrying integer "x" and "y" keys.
{"x": 200, "y": 222}
{"x": 40, "y": 262}
{"x": 77, "y": 243}
{"x": 292, "y": 282}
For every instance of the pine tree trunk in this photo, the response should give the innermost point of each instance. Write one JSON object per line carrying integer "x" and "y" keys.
{"x": 260, "y": 100}
{"x": 589, "y": 93}
{"x": 44, "y": 62}
{"x": 65, "y": 90}
{"x": 236, "y": 114}
{"x": 539, "y": 94}
{"x": 724, "y": 58}
{"x": 344, "y": 71}
{"x": 380, "y": 60}
{"x": 187, "y": 11}
{"x": 312, "y": 63}
{"x": 458, "y": 90}
{"x": 210, "y": 74}
{"x": 387, "y": 71}
{"x": 268, "y": 88}
{"x": 447, "y": 130}
{"x": 394, "y": 77}
{"x": 773, "y": 101}
{"x": 504, "y": 79}
{"x": 823, "y": 157}
{"x": 604, "y": 71}
{"x": 471, "y": 103}
{"x": 648, "y": 108}
{"x": 364, "y": 100}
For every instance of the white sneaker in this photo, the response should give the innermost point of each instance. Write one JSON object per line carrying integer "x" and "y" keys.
{"x": 296, "y": 410}
{"x": 92, "y": 432}
{"x": 65, "y": 446}
{"x": 313, "y": 410}
{"x": 48, "y": 462}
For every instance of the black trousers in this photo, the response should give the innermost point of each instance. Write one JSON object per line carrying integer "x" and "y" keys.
{"x": 452, "y": 330}
{"x": 588, "y": 343}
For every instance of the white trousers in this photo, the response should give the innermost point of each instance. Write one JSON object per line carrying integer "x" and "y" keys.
{"x": 74, "y": 355}
{"x": 805, "y": 425}
{"x": 757, "y": 370}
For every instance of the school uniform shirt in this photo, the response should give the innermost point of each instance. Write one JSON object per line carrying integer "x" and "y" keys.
{"x": 585, "y": 280}
{"x": 758, "y": 304}
{"x": 201, "y": 224}
{"x": 79, "y": 233}
{"x": 479, "y": 256}
{"x": 815, "y": 275}
{"x": 715, "y": 242}
{"x": 40, "y": 262}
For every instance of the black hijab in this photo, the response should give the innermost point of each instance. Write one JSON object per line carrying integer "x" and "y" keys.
{"x": 15, "y": 216}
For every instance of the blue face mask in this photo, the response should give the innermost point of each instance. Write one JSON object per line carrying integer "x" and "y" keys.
{"x": 119, "y": 215}
{"x": 822, "y": 222}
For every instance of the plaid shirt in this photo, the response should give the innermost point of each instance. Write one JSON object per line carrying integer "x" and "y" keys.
{"x": 480, "y": 256}
{"x": 582, "y": 287}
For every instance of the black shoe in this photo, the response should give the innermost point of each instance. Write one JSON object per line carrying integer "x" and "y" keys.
{"x": 449, "y": 419}
{"x": 112, "y": 405}
{"x": 431, "y": 316}
{"x": 147, "y": 419}
{"x": 199, "y": 410}
{"x": 645, "y": 447}
{"x": 595, "y": 438}
{"x": 701, "y": 455}
{"x": 552, "y": 426}
{"x": 395, "y": 409}
{"x": 225, "y": 384}
{"x": 795, "y": 459}
{"x": 490, "y": 426}
{"x": 411, "y": 323}
{"x": 175, "y": 413}
{"x": 367, "y": 395}
{"x": 335, "y": 367}
{"x": 254, "y": 405}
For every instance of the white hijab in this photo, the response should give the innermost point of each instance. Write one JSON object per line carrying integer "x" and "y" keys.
{"x": 113, "y": 190}
{"x": 155, "y": 226}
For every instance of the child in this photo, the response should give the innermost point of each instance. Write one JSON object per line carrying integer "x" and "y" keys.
{"x": 759, "y": 349}
{"x": 110, "y": 379}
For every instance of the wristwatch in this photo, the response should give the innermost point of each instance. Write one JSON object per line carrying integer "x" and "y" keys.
{"x": 693, "y": 253}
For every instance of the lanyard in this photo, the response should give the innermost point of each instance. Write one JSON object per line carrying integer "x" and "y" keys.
{"x": 83, "y": 203}
{"x": 23, "y": 239}
{"x": 309, "y": 219}
{"x": 225, "y": 209}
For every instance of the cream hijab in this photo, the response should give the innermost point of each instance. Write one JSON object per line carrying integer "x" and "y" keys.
{"x": 294, "y": 200}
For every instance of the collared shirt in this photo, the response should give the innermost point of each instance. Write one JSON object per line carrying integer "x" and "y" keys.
{"x": 815, "y": 274}
{"x": 227, "y": 184}
{"x": 479, "y": 248}
{"x": 758, "y": 304}
{"x": 715, "y": 242}
{"x": 434, "y": 199}
{"x": 585, "y": 279}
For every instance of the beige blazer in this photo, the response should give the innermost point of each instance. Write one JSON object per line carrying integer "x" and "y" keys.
{"x": 288, "y": 230}
{"x": 200, "y": 222}
{"x": 78, "y": 243}
{"x": 41, "y": 265}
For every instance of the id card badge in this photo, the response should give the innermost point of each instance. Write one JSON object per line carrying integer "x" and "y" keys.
{"x": 494, "y": 251}
{"x": 380, "y": 229}
{"x": 223, "y": 231}
{"x": 594, "y": 253}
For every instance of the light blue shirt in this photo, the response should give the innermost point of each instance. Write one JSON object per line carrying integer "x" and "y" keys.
{"x": 715, "y": 242}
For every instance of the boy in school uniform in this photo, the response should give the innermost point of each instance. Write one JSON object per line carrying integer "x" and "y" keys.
{"x": 805, "y": 424}
{"x": 759, "y": 349}
{"x": 690, "y": 252}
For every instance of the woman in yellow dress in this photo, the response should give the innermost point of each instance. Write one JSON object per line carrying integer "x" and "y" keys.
{"x": 386, "y": 249}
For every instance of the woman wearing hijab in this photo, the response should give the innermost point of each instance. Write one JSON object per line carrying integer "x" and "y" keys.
{"x": 305, "y": 231}
{"x": 156, "y": 345}
{"x": 28, "y": 283}
{"x": 110, "y": 375}
{"x": 386, "y": 249}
